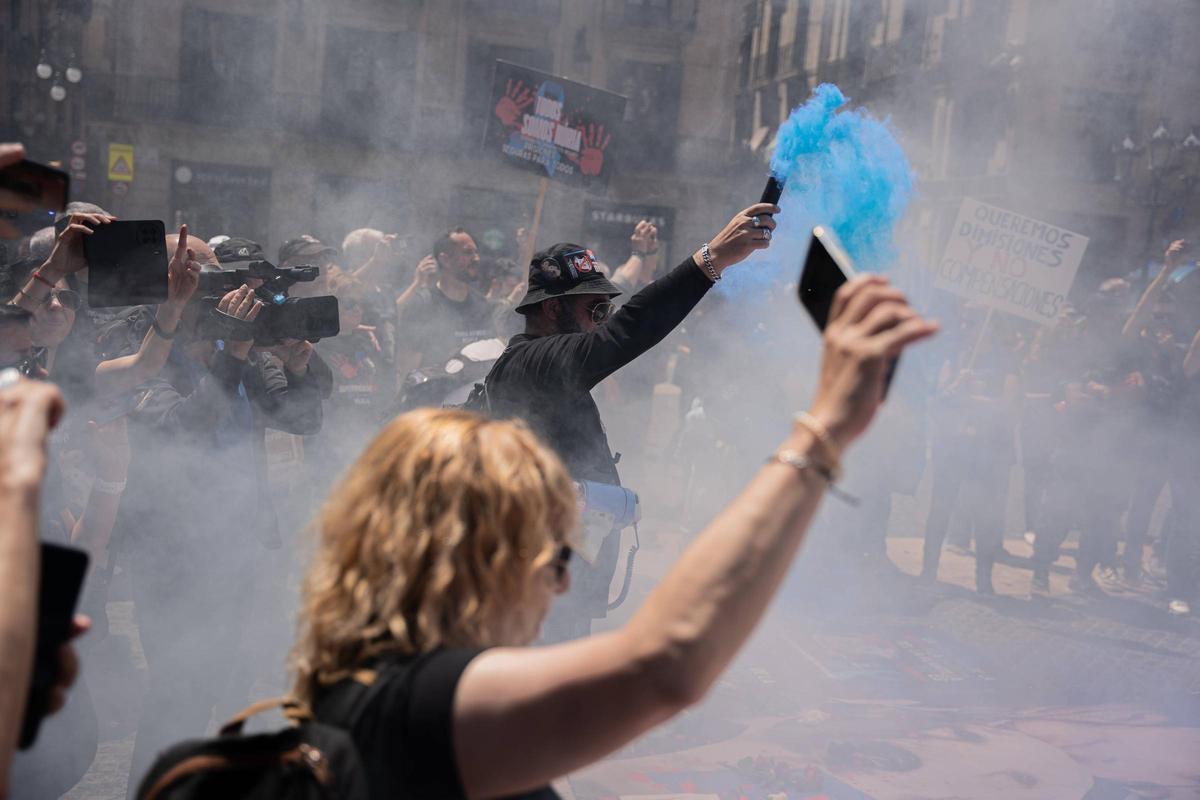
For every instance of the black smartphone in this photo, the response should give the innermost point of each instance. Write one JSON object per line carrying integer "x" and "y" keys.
{"x": 30, "y": 196}
{"x": 127, "y": 263}
{"x": 62, "y": 573}
{"x": 826, "y": 267}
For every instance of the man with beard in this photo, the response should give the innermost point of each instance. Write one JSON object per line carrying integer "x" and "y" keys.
{"x": 574, "y": 338}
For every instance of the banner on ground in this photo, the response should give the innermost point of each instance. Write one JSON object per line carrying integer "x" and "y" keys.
{"x": 559, "y": 128}
{"x": 1010, "y": 262}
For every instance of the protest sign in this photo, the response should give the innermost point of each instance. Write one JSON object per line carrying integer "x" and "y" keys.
{"x": 559, "y": 128}
{"x": 1010, "y": 262}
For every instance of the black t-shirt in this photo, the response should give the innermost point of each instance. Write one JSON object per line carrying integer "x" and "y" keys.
{"x": 405, "y": 730}
{"x": 547, "y": 380}
{"x": 438, "y": 327}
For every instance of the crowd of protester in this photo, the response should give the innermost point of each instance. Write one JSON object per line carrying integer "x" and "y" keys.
{"x": 193, "y": 464}
{"x": 1097, "y": 409}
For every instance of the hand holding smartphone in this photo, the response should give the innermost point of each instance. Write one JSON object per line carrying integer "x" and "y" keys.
{"x": 30, "y": 195}
{"x": 825, "y": 269}
{"x": 62, "y": 573}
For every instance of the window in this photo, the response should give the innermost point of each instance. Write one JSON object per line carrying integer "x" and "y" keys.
{"x": 215, "y": 199}
{"x": 226, "y": 68}
{"x": 481, "y": 60}
{"x": 492, "y": 217}
{"x": 343, "y": 203}
{"x": 647, "y": 12}
{"x": 367, "y": 92}
{"x": 551, "y": 9}
{"x": 651, "y": 113}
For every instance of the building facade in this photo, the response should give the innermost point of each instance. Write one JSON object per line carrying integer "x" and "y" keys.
{"x": 271, "y": 118}
{"x": 1076, "y": 111}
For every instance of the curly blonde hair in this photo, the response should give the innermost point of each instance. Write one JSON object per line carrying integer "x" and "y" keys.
{"x": 429, "y": 540}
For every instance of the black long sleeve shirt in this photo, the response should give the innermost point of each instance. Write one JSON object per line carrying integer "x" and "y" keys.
{"x": 547, "y": 380}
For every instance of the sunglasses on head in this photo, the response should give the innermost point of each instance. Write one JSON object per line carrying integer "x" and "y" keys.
{"x": 67, "y": 298}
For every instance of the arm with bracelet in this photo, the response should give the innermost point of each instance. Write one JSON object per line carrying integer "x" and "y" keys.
{"x": 65, "y": 259}
{"x": 639, "y": 268}
{"x": 124, "y": 373}
{"x": 510, "y": 733}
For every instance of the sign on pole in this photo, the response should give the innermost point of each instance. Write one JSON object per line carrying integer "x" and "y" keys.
{"x": 559, "y": 128}
{"x": 1010, "y": 262}
{"x": 120, "y": 162}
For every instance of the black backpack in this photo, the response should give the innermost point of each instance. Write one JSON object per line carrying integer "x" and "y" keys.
{"x": 308, "y": 761}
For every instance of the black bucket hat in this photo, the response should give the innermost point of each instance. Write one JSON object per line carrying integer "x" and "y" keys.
{"x": 564, "y": 269}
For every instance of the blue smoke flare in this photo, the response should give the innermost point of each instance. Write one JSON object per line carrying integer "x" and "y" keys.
{"x": 844, "y": 169}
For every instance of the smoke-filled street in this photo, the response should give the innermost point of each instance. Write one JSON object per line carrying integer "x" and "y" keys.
{"x": 639, "y": 399}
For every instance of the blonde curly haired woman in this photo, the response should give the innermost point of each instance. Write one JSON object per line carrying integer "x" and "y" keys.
{"x": 446, "y": 542}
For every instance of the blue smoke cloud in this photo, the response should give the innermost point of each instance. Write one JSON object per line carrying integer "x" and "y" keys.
{"x": 844, "y": 169}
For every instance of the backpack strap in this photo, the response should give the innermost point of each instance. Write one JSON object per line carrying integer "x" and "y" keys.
{"x": 292, "y": 709}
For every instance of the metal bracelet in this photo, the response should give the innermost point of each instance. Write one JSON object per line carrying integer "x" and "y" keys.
{"x": 713, "y": 275}
{"x": 160, "y": 332}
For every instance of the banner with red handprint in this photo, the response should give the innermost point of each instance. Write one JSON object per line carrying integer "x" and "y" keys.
{"x": 557, "y": 127}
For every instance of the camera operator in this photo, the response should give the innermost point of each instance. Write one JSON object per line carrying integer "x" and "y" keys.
{"x": 196, "y": 513}
{"x": 573, "y": 339}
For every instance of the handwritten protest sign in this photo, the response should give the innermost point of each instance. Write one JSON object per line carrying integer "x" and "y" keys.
{"x": 557, "y": 127}
{"x": 1010, "y": 262}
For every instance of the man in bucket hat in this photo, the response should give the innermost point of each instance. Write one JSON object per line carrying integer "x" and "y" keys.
{"x": 574, "y": 338}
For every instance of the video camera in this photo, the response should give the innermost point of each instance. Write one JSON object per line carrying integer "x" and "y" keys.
{"x": 283, "y": 317}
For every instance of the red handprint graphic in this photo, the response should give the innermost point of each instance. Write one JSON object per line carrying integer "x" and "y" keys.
{"x": 517, "y": 97}
{"x": 591, "y": 156}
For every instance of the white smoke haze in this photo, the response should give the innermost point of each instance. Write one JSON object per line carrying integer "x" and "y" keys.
{"x": 271, "y": 120}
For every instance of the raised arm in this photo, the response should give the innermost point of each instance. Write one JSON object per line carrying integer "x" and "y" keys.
{"x": 639, "y": 268}
{"x": 1137, "y": 320}
{"x": 65, "y": 259}
{"x": 523, "y": 717}
{"x": 28, "y": 411}
{"x": 122, "y": 374}
{"x": 408, "y": 352}
{"x": 165, "y": 407}
{"x": 655, "y": 311}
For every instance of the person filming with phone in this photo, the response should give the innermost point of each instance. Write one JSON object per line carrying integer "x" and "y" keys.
{"x": 574, "y": 338}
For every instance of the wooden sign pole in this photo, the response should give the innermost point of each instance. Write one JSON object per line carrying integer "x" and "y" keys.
{"x": 532, "y": 233}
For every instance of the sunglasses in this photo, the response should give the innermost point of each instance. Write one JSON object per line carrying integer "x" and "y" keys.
{"x": 602, "y": 311}
{"x": 562, "y": 561}
{"x": 67, "y": 298}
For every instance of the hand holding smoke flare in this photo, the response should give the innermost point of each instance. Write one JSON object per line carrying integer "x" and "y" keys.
{"x": 843, "y": 169}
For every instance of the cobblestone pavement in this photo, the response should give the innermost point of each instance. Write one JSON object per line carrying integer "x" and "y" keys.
{"x": 904, "y": 691}
{"x": 914, "y": 691}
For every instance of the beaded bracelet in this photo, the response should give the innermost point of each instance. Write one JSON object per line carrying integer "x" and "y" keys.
{"x": 800, "y": 462}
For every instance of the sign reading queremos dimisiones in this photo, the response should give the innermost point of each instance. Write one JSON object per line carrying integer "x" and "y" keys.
{"x": 1010, "y": 262}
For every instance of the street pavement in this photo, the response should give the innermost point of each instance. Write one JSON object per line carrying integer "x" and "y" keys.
{"x": 864, "y": 684}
